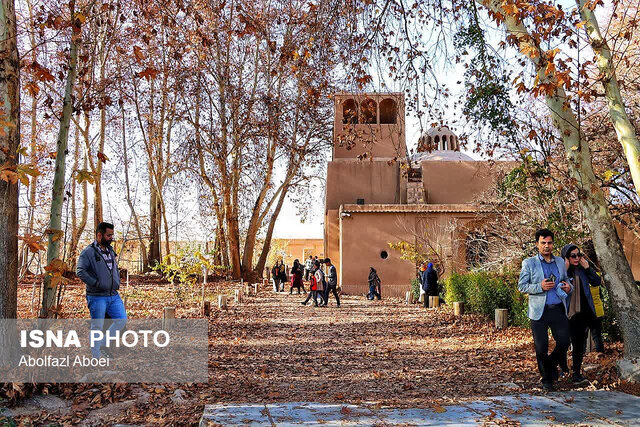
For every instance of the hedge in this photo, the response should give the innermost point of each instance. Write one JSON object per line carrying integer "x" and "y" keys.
{"x": 484, "y": 292}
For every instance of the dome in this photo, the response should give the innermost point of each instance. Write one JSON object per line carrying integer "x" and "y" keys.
{"x": 438, "y": 138}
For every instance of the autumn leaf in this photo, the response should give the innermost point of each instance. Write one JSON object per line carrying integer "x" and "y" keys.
{"x": 608, "y": 175}
{"x": 550, "y": 69}
{"x": 33, "y": 242}
{"x": 148, "y": 73}
{"x": 84, "y": 175}
{"x": 137, "y": 52}
{"x": 8, "y": 174}
{"x": 32, "y": 88}
{"x": 439, "y": 409}
{"x": 52, "y": 154}
{"x": 102, "y": 157}
{"x": 24, "y": 171}
{"x": 55, "y": 234}
{"x": 57, "y": 266}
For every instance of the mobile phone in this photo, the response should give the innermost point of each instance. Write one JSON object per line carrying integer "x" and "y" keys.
{"x": 552, "y": 278}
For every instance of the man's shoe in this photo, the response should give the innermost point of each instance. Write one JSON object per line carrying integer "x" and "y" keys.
{"x": 303, "y": 303}
{"x": 548, "y": 387}
{"x": 579, "y": 379}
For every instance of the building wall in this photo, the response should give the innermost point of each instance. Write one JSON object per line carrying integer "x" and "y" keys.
{"x": 332, "y": 239}
{"x": 375, "y": 182}
{"x": 364, "y": 235}
{"x": 631, "y": 245}
{"x": 300, "y": 249}
{"x": 448, "y": 182}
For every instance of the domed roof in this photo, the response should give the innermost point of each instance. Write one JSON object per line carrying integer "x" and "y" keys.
{"x": 435, "y": 155}
{"x": 438, "y": 138}
{"x": 438, "y": 130}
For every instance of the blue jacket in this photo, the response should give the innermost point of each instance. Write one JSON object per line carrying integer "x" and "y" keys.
{"x": 93, "y": 271}
{"x": 530, "y": 282}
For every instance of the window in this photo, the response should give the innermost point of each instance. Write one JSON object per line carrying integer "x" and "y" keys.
{"x": 436, "y": 142}
{"x": 477, "y": 249}
{"x": 388, "y": 111}
{"x": 369, "y": 111}
{"x": 384, "y": 255}
{"x": 349, "y": 112}
{"x": 444, "y": 142}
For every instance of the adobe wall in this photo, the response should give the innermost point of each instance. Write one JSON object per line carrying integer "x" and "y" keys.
{"x": 332, "y": 239}
{"x": 448, "y": 182}
{"x": 376, "y": 182}
{"x": 364, "y": 235}
{"x": 631, "y": 245}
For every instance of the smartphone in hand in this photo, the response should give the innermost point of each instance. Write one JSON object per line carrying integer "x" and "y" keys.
{"x": 552, "y": 278}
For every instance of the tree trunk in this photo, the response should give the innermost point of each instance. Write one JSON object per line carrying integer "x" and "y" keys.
{"x": 136, "y": 222}
{"x": 621, "y": 122}
{"x": 624, "y": 293}
{"x": 9, "y": 143}
{"x": 57, "y": 196}
{"x": 154, "y": 226}
{"x": 267, "y": 239}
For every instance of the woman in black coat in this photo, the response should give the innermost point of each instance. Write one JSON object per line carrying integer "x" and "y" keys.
{"x": 581, "y": 310}
{"x": 429, "y": 283}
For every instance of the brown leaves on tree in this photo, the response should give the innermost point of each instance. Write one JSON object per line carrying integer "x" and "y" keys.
{"x": 138, "y": 54}
{"x": 148, "y": 73}
{"x": 102, "y": 157}
{"x": 33, "y": 242}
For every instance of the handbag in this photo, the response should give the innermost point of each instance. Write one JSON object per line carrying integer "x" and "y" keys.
{"x": 597, "y": 301}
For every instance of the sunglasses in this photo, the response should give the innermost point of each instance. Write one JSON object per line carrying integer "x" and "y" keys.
{"x": 574, "y": 256}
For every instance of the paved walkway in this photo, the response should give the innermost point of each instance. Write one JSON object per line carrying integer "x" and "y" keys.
{"x": 594, "y": 408}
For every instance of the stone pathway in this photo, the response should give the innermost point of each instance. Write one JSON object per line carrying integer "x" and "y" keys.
{"x": 594, "y": 408}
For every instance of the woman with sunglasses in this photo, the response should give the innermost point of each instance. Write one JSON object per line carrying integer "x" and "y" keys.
{"x": 581, "y": 311}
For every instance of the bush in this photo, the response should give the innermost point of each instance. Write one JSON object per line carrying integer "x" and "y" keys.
{"x": 483, "y": 292}
{"x": 455, "y": 288}
{"x": 415, "y": 289}
{"x": 183, "y": 269}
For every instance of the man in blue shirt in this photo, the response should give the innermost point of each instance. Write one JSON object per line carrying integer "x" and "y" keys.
{"x": 544, "y": 278}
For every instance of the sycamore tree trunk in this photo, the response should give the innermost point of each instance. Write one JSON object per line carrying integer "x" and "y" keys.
{"x": 262, "y": 260}
{"x": 624, "y": 293}
{"x": 9, "y": 142}
{"x": 136, "y": 221}
{"x": 622, "y": 124}
{"x": 57, "y": 196}
{"x": 77, "y": 228}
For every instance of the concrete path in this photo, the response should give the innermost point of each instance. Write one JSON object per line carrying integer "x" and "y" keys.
{"x": 594, "y": 408}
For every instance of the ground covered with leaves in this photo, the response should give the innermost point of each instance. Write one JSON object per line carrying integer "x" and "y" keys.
{"x": 270, "y": 348}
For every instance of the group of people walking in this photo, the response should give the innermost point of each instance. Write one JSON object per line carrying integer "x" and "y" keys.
{"x": 560, "y": 299}
{"x": 320, "y": 285}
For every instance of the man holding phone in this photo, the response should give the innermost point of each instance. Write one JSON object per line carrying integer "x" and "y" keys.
{"x": 544, "y": 278}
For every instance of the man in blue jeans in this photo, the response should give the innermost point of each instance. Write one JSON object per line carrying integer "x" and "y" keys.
{"x": 98, "y": 269}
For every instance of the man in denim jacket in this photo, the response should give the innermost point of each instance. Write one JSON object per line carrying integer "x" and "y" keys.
{"x": 98, "y": 269}
{"x": 544, "y": 278}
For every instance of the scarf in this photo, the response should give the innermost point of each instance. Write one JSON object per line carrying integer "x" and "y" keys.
{"x": 574, "y": 302}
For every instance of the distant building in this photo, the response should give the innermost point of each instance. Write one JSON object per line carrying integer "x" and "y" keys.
{"x": 292, "y": 249}
{"x": 371, "y": 201}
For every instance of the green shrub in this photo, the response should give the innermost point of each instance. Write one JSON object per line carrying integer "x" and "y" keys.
{"x": 455, "y": 288}
{"x": 483, "y": 292}
{"x": 183, "y": 268}
{"x": 415, "y": 289}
